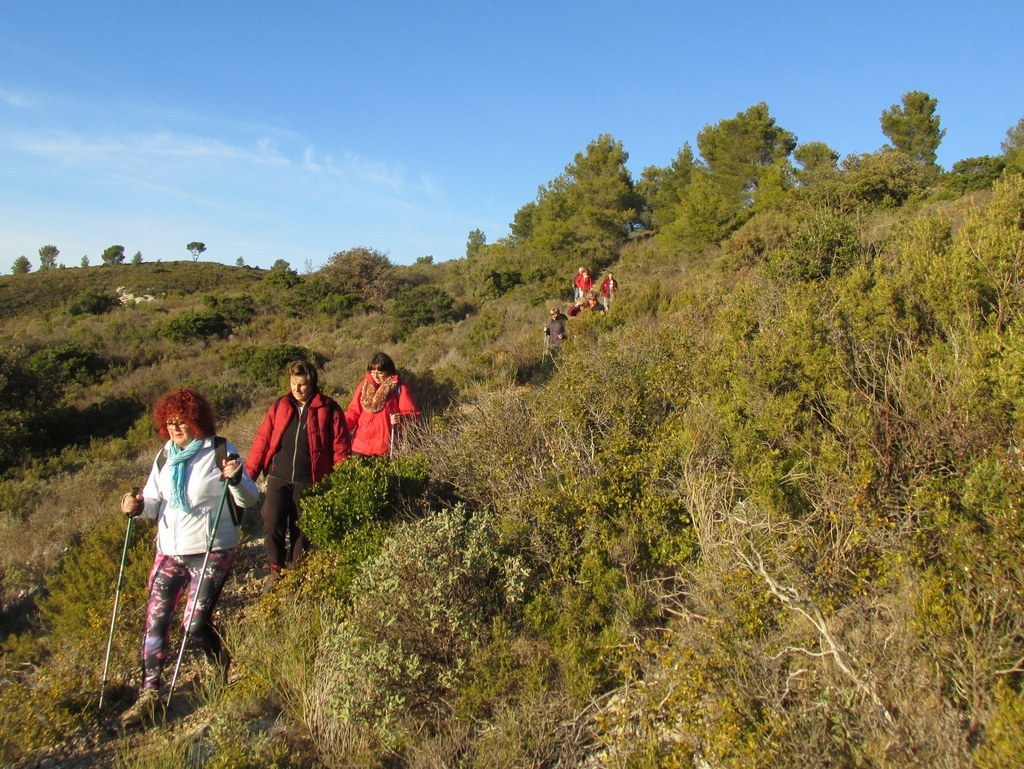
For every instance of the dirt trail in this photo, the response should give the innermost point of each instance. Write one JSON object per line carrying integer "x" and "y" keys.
{"x": 94, "y": 745}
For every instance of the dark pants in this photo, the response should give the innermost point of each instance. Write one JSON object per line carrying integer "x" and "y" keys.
{"x": 283, "y": 540}
{"x": 170, "y": 575}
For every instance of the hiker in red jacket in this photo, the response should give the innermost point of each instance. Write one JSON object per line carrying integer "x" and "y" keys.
{"x": 609, "y": 290}
{"x": 379, "y": 405}
{"x": 301, "y": 440}
{"x": 583, "y": 283}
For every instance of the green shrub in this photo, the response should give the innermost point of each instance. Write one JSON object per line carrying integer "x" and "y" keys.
{"x": 266, "y": 365}
{"x": 420, "y": 606}
{"x": 191, "y": 326}
{"x": 421, "y": 306}
{"x": 66, "y": 363}
{"x": 92, "y": 301}
{"x": 236, "y": 310}
{"x": 315, "y": 295}
{"x": 361, "y": 491}
{"x": 497, "y": 283}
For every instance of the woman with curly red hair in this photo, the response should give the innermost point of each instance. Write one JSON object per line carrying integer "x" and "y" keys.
{"x": 183, "y": 493}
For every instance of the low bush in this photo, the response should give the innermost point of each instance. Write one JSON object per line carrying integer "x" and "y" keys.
{"x": 92, "y": 301}
{"x": 266, "y": 364}
{"x": 192, "y": 326}
{"x": 361, "y": 492}
{"x": 421, "y": 306}
{"x": 420, "y": 607}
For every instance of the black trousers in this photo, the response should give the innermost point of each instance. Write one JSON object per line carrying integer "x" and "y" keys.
{"x": 282, "y": 538}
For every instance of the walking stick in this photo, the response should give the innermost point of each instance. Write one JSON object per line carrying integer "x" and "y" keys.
{"x": 117, "y": 601}
{"x": 391, "y": 443}
{"x": 199, "y": 586}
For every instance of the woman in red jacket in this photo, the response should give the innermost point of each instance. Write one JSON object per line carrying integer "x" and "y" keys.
{"x": 379, "y": 404}
{"x": 302, "y": 438}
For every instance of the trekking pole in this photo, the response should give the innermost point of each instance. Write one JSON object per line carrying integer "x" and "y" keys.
{"x": 391, "y": 442}
{"x": 199, "y": 586}
{"x": 117, "y": 601}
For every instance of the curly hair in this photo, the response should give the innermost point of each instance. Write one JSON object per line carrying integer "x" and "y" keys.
{"x": 188, "y": 406}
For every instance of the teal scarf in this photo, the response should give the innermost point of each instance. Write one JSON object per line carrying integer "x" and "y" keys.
{"x": 177, "y": 458}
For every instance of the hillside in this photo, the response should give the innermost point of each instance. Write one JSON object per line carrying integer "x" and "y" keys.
{"x": 765, "y": 512}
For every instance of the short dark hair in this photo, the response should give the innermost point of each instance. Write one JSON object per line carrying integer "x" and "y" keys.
{"x": 303, "y": 368}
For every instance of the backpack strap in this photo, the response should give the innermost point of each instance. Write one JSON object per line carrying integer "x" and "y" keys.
{"x": 220, "y": 453}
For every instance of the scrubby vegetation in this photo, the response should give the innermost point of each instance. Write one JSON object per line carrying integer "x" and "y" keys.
{"x": 766, "y": 512}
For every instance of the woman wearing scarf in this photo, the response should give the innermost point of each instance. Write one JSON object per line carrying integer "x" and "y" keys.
{"x": 380, "y": 403}
{"x": 183, "y": 494}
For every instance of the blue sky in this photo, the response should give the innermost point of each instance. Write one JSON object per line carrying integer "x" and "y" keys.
{"x": 294, "y": 130}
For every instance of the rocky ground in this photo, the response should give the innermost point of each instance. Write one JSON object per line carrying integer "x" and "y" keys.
{"x": 95, "y": 744}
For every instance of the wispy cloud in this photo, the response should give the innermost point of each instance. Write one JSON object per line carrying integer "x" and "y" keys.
{"x": 71, "y": 148}
{"x": 144, "y": 149}
{"x": 18, "y": 99}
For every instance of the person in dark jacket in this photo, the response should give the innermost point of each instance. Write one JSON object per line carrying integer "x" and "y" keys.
{"x": 302, "y": 438}
{"x": 380, "y": 403}
{"x": 555, "y": 331}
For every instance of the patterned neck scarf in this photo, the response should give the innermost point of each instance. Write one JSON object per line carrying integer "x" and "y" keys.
{"x": 374, "y": 400}
{"x": 177, "y": 459}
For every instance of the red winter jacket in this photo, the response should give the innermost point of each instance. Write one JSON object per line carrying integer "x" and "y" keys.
{"x": 371, "y": 432}
{"x": 329, "y": 441}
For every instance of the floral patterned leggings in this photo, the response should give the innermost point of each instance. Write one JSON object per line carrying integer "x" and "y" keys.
{"x": 169, "y": 577}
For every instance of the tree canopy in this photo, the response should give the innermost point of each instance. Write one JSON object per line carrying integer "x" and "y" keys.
{"x": 913, "y": 127}
{"x": 113, "y": 255}
{"x": 48, "y": 257}
{"x": 196, "y": 249}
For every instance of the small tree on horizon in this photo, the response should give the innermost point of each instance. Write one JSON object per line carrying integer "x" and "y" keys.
{"x": 21, "y": 265}
{"x": 113, "y": 255}
{"x": 85, "y": 260}
{"x": 137, "y": 259}
{"x": 196, "y": 249}
{"x": 48, "y": 257}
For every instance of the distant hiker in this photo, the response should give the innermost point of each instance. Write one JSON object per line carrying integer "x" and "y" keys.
{"x": 609, "y": 290}
{"x": 379, "y": 405}
{"x": 301, "y": 440}
{"x": 583, "y": 283}
{"x": 576, "y": 308}
{"x": 184, "y": 493}
{"x": 555, "y": 330}
{"x": 593, "y": 304}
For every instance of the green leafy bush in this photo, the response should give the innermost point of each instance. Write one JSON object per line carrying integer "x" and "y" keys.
{"x": 191, "y": 326}
{"x": 92, "y": 301}
{"x": 497, "y": 283}
{"x": 361, "y": 491}
{"x": 66, "y": 363}
{"x": 420, "y": 606}
{"x": 422, "y": 306}
{"x": 236, "y": 310}
{"x": 266, "y": 364}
